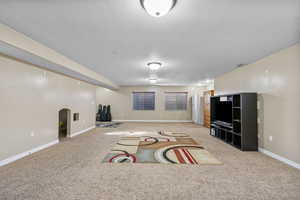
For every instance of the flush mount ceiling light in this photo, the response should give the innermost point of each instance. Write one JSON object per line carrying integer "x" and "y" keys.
{"x": 158, "y": 8}
{"x": 153, "y": 80}
{"x": 154, "y": 65}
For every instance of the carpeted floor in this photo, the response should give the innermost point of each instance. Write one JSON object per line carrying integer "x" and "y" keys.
{"x": 73, "y": 170}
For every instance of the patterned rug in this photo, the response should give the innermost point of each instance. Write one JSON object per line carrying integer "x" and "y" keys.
{"x": 159, "y": 147}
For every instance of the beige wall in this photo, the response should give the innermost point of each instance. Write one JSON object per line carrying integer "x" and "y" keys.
{"x": 277, "y": 80}
{"x": 30, "y": 99}
{"x": 21, "y": 41}
{"x": 121, "y": 102}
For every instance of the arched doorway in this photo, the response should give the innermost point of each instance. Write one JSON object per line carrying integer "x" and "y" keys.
{"x": 64, "y": 123}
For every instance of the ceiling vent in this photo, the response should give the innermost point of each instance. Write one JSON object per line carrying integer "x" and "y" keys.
{"x": 240, "y": 65}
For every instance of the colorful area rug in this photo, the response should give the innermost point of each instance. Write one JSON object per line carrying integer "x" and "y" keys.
{"x": 159, "y": 147}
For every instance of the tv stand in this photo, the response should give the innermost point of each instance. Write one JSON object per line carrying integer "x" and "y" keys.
{"x": 242, "y": 131}
{"x": 221, "y": 123}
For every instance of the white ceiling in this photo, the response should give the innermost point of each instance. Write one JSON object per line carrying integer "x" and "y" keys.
{"x": 197, "y": 40}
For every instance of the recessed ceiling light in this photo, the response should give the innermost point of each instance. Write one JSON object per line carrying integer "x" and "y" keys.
{"x": 206, "y": 82}
{"x": 153, "y": 80}
{"x": 154, "y": 65}
{"x": 158, "y": 8}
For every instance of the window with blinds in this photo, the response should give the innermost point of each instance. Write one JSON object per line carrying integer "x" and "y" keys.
{"x": 176, "y": 100}
{"x": 143, "y": 100}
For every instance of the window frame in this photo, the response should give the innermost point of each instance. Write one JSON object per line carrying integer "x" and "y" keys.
{"x": 186, "y": 101}
{"x": 143, "y": 92}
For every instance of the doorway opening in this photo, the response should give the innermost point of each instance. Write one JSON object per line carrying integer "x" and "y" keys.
{"x": 64, "y": 123}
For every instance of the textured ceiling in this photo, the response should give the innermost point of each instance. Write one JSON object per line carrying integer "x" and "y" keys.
{"x": 197, "y": 40}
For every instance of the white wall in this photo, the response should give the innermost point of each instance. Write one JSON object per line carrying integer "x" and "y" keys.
{"x": 30, "y": 99}
{"x": 121, "y": 102}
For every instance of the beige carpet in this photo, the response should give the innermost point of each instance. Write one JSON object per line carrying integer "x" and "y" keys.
{"x": 73, "y": 170}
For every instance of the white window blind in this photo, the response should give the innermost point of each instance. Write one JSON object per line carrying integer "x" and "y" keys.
{"x": 176, "y": 100}
{"x": 143, "y": 100}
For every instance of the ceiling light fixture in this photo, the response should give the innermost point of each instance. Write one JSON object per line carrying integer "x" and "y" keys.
{"x": 154, "y": 65}
{"x": 158, "y": 8}
{"x": 206, "y": 82}
{"x": 153, "y": 80}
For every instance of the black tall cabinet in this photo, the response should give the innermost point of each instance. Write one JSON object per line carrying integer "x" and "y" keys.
{"x": 239, "y": 128}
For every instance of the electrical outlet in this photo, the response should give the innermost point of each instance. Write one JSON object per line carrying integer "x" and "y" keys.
{"x": 213, "y": 132}
{"x": 270, "y": 138}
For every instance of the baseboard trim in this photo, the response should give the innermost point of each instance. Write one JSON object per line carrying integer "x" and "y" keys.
{"x": 26, "y": 153}
{"x": 83, "y": 131}
{"x": 39, "y": 148}
{"x": 155, "y": 121}
{"x": 280, "y": 158}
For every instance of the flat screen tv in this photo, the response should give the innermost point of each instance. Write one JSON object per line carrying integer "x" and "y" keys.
{"x": 224, "y": 111}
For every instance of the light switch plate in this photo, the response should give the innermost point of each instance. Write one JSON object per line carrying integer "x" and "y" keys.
{"x": 271, "y": 138}
{"x": 32, "y": 133}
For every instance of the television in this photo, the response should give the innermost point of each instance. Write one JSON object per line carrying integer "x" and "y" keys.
{"x": 224, "y": 111}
